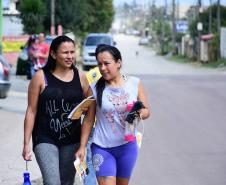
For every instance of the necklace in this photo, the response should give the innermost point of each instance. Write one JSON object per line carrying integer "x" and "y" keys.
{"x": 120, "y": 84}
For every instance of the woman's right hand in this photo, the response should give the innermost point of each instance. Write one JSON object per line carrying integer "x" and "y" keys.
{"x": 26, "y": 153}
{"x": 80, "y": 153}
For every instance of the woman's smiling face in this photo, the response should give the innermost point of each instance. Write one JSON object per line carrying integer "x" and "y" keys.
{"x": 109, "y": 68}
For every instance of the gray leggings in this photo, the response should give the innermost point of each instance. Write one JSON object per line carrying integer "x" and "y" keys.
{"x": 56, "y": 163}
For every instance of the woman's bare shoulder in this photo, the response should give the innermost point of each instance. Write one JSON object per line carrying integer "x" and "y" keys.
{"x": 81, "y": 74}
{"x": 82, "y": 77}
{"x": 38, "y": 79}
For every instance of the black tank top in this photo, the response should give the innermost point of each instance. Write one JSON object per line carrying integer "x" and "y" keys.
{"x": 54, "y": 105}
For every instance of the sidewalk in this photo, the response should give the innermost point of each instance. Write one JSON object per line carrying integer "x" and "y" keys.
{"x": 12, "y": 163}
{"x": 39, "y": 181}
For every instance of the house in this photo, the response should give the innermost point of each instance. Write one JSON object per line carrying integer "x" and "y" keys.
{"x": 11, "y": 23}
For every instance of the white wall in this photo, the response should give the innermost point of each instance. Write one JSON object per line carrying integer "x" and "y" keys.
{"x": 11, "y": 26}
{"x": 223, "y": 42}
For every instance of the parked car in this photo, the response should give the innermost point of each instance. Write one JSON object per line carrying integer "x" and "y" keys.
{"x": 4, "y": 77}
{"x": 143, "y": 41}
{"x": 89, "y": 47}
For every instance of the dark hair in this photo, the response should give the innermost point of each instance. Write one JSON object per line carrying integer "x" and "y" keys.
{"x": 116, "y": 55}
{"x": 31, "y": 40}
{"x": 51, "y": 62}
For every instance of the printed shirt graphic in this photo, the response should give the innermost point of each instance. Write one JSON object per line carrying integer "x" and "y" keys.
{"x": 54, "y": 104}
{"x": 110, "y": 119}
{"x": 57, "y": 112}
{"x": 119, "y": 101}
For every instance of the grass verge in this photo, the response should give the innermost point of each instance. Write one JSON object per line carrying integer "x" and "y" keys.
{"x": 215, "y": 64}
{"x": 180, "y": 59}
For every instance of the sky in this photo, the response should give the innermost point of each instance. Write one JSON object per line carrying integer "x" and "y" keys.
{"x": 5, "y": 3}
{"x": 161, "y": 2}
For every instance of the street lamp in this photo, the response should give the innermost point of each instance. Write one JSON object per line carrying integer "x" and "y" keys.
{"x": 199, "y": 26}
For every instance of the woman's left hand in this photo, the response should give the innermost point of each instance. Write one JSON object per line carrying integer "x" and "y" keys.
{"x": 84, "y": 110}
{"x": 143, "y": 113}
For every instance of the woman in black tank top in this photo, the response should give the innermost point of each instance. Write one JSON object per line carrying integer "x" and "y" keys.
{"x": 53, "y": 92}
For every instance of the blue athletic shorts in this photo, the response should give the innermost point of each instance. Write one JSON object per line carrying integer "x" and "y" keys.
{"x": 116, "y": 161}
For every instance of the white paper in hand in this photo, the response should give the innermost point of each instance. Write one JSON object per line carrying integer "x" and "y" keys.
{"x": 81, "y": 169}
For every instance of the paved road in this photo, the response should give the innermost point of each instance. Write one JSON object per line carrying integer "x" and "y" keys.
{"x": 185, "y": 137}
{"x": 183, "y": 141}
{"x": 147, "y": 62}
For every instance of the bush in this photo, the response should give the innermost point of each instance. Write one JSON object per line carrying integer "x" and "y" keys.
{"x": 214, "y": 46}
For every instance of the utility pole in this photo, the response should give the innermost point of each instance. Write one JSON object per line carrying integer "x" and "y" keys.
{"x": 164, "y": 16}
{"x": 178, "y": 11}
{"x": 210, "y": 17}
{"x": 1, "y": 14}
{"x": 218, "y": 26}
{"x": 52, "y": 17}
{"x": 199, "y": 30}
{"x": 218, "y": 16}
{"x": 152, "y": 14}
{"x": 153, "y": 10}
{"x": 174, "y": 28}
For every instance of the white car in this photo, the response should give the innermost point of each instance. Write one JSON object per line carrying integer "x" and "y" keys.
{"x": 89, "y": 47}
{"x": 143, "y": 41}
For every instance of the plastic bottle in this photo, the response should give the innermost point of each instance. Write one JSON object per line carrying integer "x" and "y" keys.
{"x": 129, "y": 128}
{"x": 27, "y": 178}
{"x": 129, "y": 132}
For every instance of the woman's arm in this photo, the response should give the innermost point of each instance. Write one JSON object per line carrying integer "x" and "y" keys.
{"x": 34, "y": 89}
{"x": 84, "y": 83}
{"x": 87, "y": 125}
{"x": 145, "y": 112}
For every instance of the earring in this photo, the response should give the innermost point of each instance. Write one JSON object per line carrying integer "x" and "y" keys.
{"x": 53, "y": 56}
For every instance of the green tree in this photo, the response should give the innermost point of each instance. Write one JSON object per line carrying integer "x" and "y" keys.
{"x": 157, "y": 28}
{"x": 32, "y": 15}
{"x": 204, "y": 19}
{"x": 214, "y": 44}
{"x": 101, "y": 13}
{"x": 82, "y": 16}
{"x": 71, "y": 14}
